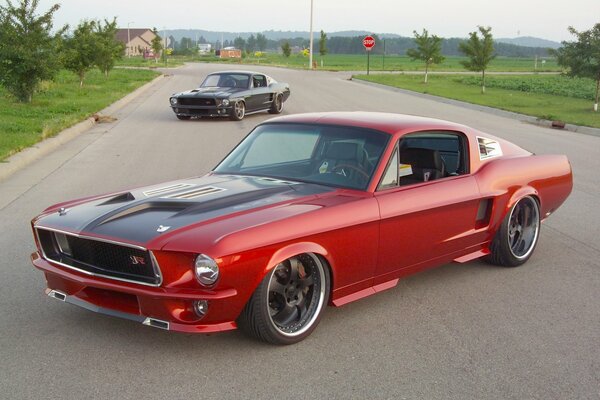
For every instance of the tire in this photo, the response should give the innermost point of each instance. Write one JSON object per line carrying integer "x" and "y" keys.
{"x": 288, "y": 304}
{"x": 518, "y": 235}
{"x": 238, "y": 111}
{"x": 277, "y": 105}
{"x": 183, "y": 117}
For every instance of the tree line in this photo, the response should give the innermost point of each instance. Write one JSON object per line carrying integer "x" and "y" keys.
{"x": 31, "y": 52}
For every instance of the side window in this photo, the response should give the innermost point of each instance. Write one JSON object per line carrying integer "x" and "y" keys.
{"x": 427, "y": 156}
{"x": 259, "y": 81}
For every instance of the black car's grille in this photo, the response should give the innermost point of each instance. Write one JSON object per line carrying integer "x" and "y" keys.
{"x": 190, "y": 101}
{"x": 111, "y": 260}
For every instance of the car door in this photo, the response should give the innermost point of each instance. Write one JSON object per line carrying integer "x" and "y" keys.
{"x": 427, "y": 221}
{"x": 260, "y": 93}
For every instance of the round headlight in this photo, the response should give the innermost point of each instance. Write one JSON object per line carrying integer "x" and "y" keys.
{"x": 225, "y": 102}
{"x": 173, "y": 100}
{"x": 206, "y": 270}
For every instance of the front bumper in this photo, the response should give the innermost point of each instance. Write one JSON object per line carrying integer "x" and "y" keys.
{"x": 154, "y": 306}
{"x": 201, "y": 111}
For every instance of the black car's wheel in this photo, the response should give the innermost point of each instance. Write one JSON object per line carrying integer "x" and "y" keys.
{"x": 277, "y": 105}
{"x": 287, "y": 305}
{"x": 183, "y": 117}
{"x": 238, "y": 111}
{"x": 518, "y": 235}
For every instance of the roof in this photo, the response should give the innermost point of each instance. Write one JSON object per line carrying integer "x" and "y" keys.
{"x": 236, "y": 72}
{"x": 384, "y": 122}
{"x": 122, "y": 35}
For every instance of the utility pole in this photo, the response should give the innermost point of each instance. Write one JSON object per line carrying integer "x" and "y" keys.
{"x": 128, "y": 40}
{"x": 310, "y": 51}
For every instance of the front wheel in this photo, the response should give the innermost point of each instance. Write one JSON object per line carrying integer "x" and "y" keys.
{"x": 277, "y": 104}
{"x": 518, "y": 235}
{"x": 238, "y": 111}
{"x": 287, "y": 305}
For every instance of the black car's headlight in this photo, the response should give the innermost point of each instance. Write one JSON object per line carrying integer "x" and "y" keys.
{"x": 173, "y": 100}
{"x": 225, "y": 102}
{"x": 206, "y": 270}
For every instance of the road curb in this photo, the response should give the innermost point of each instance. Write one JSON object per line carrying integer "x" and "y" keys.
{"x": 490, "y": 110}
{"x": 27, "y": 156}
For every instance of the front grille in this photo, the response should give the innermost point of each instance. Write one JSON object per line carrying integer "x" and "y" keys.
{"x": 103, "y": 258}
{"x": 191, "y": 101}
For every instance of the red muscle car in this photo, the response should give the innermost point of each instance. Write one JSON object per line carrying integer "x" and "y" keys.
{"x": 307, "y": 211}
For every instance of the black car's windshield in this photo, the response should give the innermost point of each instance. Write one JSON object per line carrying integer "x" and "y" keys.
{"x": 325, "y": 154}
{"x": 232, "y": 80}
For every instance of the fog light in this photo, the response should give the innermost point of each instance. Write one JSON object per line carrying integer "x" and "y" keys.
{"x": 201, "y": 307}
{"x": 206, "y": 270}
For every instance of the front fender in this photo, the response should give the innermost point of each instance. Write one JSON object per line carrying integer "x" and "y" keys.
{"x": 294, "y": 249}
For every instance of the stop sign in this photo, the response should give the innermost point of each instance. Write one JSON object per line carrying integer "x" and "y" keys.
{"x": 369, "y": 42}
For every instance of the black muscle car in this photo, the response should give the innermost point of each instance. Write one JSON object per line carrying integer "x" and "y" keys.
{"x": 232, "y": 94}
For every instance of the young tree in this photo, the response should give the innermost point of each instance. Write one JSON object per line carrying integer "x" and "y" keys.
{"x": 261, "y": 41}
{"x": 479, "y": 51}
{"x": 323, "y": 44}
{"x": 429, "y": 49}
{"x": 239, "y": 43}
{"x": 157, "y": 45}
{"x": 28, "y": 48}
{"x": 286, "y": 49}
{"x": 79, "y": 49}
{"x": 582, "y": 57}
{"x": 251, "y": 44}
{"x": 108, "y": 48}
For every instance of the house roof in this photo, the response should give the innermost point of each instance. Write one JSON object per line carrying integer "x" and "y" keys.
{"x": 133, "y": 33}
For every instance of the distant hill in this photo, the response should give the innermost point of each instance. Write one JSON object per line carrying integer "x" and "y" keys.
{"x": 350, "y": 42}
{"x": 528, "y": 41}
{"x": 212, "y": 36}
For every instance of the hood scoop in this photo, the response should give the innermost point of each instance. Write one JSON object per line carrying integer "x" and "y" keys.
{"x": 121, "y": 198}
{"x": 194, "y": 194}
{"x": 167, "y": 189}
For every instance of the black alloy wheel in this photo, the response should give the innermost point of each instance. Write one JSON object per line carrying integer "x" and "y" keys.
{"x": 518, "y": 235}
{"x": 287, "y": 305}
{"x": 277, "y": 105}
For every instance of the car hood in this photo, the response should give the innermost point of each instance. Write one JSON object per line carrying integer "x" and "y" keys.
{"x": 142, "y": 215}
{"x": 211, "y": 92}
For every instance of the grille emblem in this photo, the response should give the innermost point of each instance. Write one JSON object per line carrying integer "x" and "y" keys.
{"x": 136, "y": 260}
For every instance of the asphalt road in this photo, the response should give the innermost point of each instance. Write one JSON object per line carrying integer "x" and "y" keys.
{"x": 468, "y": 331}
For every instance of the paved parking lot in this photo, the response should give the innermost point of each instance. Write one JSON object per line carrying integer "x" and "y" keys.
{"x": 468, "y": 331}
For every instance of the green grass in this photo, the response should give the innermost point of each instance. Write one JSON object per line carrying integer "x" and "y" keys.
{"x": 140, "y": 62}
{"x": 541, "y": 105}
{"x": 358, "y": 62}
{"x": 60, "y": 104}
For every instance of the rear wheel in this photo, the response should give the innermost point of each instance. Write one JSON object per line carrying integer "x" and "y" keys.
{"x": 287, "y": 305}
{"x": 518, "y": 235}
{"x": 277, "y": 105}
{"x": 238, "y": 111}
{"x": 183, "y": 117}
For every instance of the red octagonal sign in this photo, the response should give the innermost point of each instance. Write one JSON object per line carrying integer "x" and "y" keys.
{"x": 369, "y": 42}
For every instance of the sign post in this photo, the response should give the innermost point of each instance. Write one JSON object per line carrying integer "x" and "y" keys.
{"x": 369, "y": 43}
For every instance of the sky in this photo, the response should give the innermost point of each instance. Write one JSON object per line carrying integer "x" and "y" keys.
{"x": 548, "y": 19}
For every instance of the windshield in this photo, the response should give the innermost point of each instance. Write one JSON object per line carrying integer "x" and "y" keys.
{"x": 232, "y": 80}
{"x": 332, "y": 155}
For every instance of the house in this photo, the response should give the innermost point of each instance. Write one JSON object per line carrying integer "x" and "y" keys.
{"x": 137, "y": 41}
